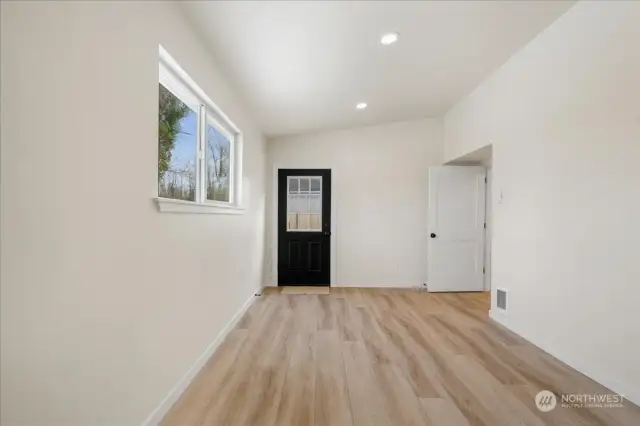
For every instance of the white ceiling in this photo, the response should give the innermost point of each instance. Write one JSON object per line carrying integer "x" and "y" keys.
{"x": 303, "y": 65}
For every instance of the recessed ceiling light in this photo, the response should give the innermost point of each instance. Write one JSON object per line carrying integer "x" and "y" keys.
{"x": 389, "y": 38}
{"x": 361, "y": 105}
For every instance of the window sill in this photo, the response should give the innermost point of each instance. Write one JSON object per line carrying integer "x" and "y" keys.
{"x": 167, "y": 205}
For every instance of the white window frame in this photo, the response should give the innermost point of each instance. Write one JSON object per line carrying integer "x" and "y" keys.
{"x": 176, "y": 80}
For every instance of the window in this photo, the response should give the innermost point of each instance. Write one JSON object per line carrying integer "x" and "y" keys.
{"x": 199, "y": 153}
{"x": 304, "y": 204}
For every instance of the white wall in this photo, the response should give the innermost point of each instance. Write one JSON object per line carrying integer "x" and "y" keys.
{"x": 380, "y": 181}
{"x": 106, "y": 303}
{"x": 563, "y": 115}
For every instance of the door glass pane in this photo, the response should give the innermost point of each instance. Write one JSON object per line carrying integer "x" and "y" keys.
{"x": 304, "y": 184}
{"x": 218, "y": 154}
{"x": 316, "y": 182}
{"x": 293, "y": 185}
{"x": 177, "y": 146}
{"x": 304, "y": 204}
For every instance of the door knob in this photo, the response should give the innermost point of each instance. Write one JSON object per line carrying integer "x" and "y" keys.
{"x": 433, "y": 235}
{"x": 327, "y": 233}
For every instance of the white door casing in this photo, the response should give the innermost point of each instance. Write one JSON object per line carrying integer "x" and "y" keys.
{"x": 456, "y": 228}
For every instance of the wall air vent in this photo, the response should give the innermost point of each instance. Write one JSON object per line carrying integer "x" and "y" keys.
{"x": 501, "y": 301}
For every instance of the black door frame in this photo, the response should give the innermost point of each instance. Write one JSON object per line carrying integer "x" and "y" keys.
{"x": 327, "y": 224}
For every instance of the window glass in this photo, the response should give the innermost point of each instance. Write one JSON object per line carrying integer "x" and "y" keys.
{"x": 304, "y": 204}
{"x": 177, "y": 140}
{"x": 218, "y": 168}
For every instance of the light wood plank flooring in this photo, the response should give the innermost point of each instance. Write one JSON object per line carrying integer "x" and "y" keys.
{"x": 373, "y": 357}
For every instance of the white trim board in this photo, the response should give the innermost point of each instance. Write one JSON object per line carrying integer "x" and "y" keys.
{"x": 158, "y": 414}
{"x": 616, "y": 385}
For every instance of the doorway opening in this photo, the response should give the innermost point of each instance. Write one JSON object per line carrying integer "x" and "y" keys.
{"x": 459, "y": 246}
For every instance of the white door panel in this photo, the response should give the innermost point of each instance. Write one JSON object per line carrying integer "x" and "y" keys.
{"x": 456, "y": 228}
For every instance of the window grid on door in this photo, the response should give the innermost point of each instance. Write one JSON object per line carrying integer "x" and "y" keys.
{"x": 304, "y": 203}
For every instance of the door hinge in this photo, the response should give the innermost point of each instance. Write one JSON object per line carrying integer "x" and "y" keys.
{"x": 485, "y": 225}
{"x": 483, "y": 270}
{"x": 485, "y": 179}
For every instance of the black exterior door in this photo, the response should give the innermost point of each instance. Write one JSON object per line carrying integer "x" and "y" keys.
{"x": 304, "y": 227}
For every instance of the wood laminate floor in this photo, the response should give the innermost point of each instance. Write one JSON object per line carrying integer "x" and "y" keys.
{"x": 374, "y": 357}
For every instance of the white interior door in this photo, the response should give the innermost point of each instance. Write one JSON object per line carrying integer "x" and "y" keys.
{"x": 456, "y": 228}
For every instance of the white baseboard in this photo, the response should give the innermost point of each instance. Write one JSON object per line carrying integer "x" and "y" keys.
{"x": 158, "y": 414}
{"x": 618, "y": 386}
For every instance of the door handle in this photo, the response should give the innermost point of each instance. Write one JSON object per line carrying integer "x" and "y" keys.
{"x": 327, "y": 233}
{"x": 433, "y": 235}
